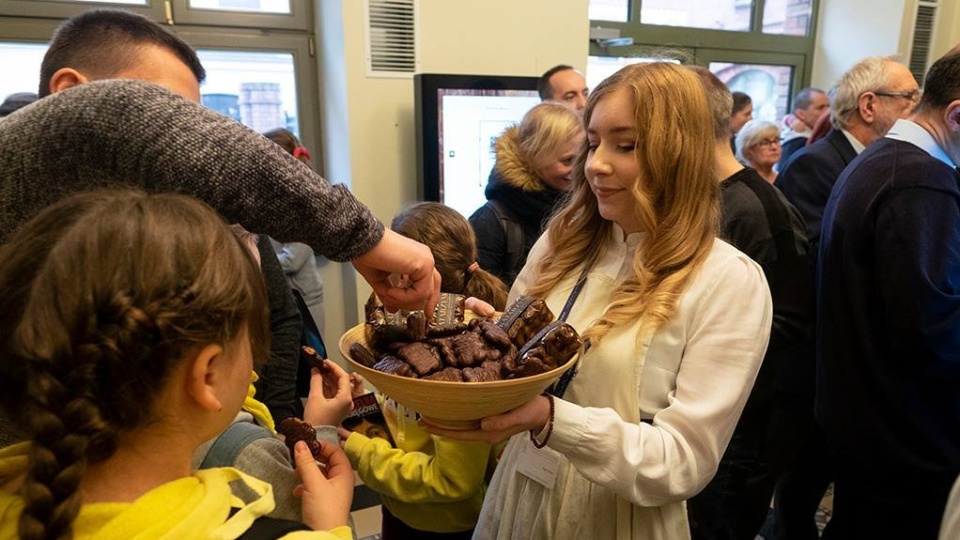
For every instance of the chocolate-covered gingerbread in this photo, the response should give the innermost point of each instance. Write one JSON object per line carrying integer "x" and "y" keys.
{"x": 524, "y": 318}
{"x": 295, "y": 429}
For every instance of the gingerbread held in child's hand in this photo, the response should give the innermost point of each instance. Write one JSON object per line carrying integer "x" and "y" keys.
{"x": 293, "y": 430}
{"x": 314, "y": 360}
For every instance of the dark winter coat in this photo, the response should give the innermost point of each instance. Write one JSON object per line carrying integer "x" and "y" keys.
{"x": 525, "y": 200}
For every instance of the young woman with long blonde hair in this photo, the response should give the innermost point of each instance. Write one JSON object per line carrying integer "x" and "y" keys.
{"x": 676, "y": 323}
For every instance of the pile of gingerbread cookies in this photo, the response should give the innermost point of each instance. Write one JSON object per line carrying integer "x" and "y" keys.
{"x": 524, "y": 341}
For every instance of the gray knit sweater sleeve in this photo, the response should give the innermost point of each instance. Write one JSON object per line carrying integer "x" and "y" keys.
{"x": 123, "y": 132}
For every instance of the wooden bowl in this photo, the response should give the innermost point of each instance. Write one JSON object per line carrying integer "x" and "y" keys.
{"x": 452, "y": 405}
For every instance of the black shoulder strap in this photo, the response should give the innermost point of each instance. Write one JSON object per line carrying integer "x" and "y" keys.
{"x": 224, "y": 451}
{"x": 268, "y": 528}
{"x": 514, "y": 234}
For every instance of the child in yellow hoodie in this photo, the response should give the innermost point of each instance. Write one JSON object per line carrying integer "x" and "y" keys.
{"x": 129, "y": 325}
{"x": 432, "y": 487}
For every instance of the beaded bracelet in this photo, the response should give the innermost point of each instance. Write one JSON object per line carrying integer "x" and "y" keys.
{"x": 533, "y": 438}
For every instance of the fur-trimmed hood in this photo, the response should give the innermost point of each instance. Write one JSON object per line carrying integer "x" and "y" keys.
{"x": 510, "y": 167}
{"x": 517, "y": 186}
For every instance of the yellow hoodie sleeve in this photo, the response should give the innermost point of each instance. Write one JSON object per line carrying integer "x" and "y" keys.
{"x": 455, "y": 473}
{"x": 340, "y": 533}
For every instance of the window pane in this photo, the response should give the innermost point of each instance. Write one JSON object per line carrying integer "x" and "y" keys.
{"x": 609, "y": 10}
{"x": 256, "y": 6}
{"x": 134, "y": 2}
{"x": 788, "y": 17}
{"x": 731, "y": 15}
{"x": 21, "y": 66}
{"x": 601, "y": 67}
{"x": 255, "y": 88}
{"x": 768, "y": 86}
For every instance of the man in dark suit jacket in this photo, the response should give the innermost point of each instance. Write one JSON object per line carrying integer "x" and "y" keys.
{"x": 888, "y": 353}
{"x": 861, "y": 111}
{"x": 809, "y": 177}
{"x": 808, "y": 106}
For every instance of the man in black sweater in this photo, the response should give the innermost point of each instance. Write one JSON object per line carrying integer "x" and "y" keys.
{"x": 865, "y": 103}
{"x": 759, "y": 221}
{"x": 888, "y": 387}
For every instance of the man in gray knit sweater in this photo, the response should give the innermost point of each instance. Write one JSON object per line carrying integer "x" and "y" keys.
{"x": 122, "y": 109}
{"x": 124, "y": 132}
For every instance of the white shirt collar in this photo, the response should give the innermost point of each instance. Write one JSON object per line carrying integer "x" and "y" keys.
{"x": 854, "y": 142}
{"x": 907, "y": 131}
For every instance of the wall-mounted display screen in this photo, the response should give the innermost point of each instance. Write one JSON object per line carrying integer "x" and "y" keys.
{"x": 458, "y": 118}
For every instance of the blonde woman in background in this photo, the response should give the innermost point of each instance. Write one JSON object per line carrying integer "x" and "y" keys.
{"x": 531, "y": 175}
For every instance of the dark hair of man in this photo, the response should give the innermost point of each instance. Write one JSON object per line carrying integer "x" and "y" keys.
{"x": 941, "y": 87}
{"x": 740, "y": 101}
{"x": 719, "y": 100}
{"x": 103, "y": 42}
{"x": 543, "y": 85}
{"x": 804, "y": 98}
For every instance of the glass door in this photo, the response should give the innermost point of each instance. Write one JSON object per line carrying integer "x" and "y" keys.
{"x": 770, "y": 79}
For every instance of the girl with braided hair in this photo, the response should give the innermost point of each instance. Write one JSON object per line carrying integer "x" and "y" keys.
{"x": 129, "y": 326}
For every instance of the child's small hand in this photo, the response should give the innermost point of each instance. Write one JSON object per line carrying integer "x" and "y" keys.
{"x": 325, "y": 496}
{"x": 329, "y": 401}
{"x": 343, "y": 434}
{"x": 356, "y": 385}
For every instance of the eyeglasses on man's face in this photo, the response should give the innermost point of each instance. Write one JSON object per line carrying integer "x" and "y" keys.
{"x": 913, "y": 96}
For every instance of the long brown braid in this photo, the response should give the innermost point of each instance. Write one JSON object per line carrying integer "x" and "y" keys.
{"x": 104, "y": 295}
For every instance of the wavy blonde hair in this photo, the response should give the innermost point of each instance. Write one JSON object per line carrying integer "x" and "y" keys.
{"x": 676, "y": 200}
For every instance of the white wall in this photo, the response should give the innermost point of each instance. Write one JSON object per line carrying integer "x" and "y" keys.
{"x": 368, "y": 122}
{"x": 946, "y": 34}
{"x": 849, "y": 30}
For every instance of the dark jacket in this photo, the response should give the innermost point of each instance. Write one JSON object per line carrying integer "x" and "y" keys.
{"x": 518, "y": 189}
{"x": 806, "y": 180}
{"x": 277, "y": 387}
{"x": 788, "y": 148}
{"x": 758, "y": 220}
{"x": 888, "y": 385}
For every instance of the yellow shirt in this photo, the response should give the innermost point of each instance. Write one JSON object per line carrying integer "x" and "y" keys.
{"x": 195, "y": 507}
{"x": 428, "y": 482}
